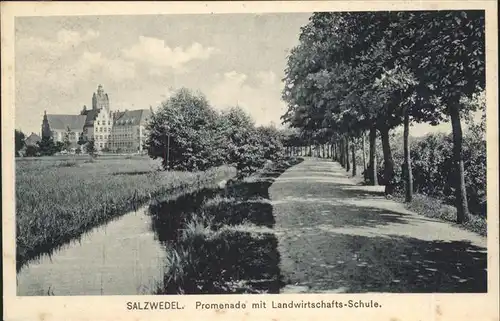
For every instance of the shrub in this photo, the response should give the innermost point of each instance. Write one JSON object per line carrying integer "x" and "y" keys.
{"x": 433, "y": 170}
{"x": 32, "y": 151}
{"x": 196, "y": 137}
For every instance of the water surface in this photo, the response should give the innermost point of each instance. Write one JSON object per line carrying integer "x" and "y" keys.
{"x": 122, "y": 257}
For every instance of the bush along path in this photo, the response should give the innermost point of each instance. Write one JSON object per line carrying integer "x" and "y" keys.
{"x": 221, "y": 240}
{"x": 335, "y": 235}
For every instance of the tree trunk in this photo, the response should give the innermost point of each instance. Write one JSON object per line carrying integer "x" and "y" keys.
{"x": 407, "y": 173}
{"x": 341, "y": 152}
{"x": 328, "y": 147}
{"x": 388, "y": 161}
{"x": 323, "y": 149}
{"x": 458, "y": 161}
{"x": 372, "y": 167}
{"x": 338, "y": 151}
{"x": 347, "y": 163}
{"x": 353, "y": 148}
{"x": 364, "y": 151}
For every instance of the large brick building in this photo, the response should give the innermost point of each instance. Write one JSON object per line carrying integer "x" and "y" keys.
{"x": 115, "y": 131}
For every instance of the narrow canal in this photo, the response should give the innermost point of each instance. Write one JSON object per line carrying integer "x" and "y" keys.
{"x": 130, "y": 255}
{"x": 122, "y": 257}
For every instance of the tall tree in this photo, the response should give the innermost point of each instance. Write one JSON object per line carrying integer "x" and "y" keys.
{"x": 47, "y": 147}
{"x": 449, "y": 54}
{"x": 372, "y": 167}
{"x": 399, "y": 85}
{"x": 183, "y": 128}
{"x": 19, "y": 138}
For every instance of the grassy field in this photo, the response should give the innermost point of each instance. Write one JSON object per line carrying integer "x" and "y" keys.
{"x": 59, "y": 198}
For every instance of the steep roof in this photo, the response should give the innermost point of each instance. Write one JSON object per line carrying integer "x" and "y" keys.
{"x": 62, "y": 122}
{"x": 132, "y": 117}
{"x": 90, "y": 116}
{"x": 32, "y": 139}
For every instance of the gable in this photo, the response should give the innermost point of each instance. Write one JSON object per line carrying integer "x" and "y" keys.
{"x": 32, "y": 139}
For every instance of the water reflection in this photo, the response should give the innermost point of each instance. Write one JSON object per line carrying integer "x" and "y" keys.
{"x": 122, "y": 257}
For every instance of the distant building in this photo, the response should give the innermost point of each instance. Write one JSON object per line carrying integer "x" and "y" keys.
{"x": 32, "y": 140}
{"x": 115, "y": 131}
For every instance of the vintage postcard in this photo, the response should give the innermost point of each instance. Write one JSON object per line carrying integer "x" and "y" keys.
{"x": 330, "y": 160}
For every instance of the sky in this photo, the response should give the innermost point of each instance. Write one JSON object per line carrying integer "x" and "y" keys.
{"x": 139, "y": 60}
{"x": 234, "y": 59}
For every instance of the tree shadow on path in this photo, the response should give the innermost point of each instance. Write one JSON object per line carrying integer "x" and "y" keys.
{"x": 343, "y": 237}
{"x": 357, "y": 264}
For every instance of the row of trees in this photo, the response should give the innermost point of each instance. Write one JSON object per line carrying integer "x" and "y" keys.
{"x": 187, "y": 133}
{"x": 48, "y": 147}
{"x": 373, "y": 71}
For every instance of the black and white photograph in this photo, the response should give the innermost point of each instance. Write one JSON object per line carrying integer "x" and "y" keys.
{"x": 340, "y": 152}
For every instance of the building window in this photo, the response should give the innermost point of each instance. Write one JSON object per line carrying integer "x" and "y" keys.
{"x": 100, "y": 145}
{"x": 109, "y": 123}
{"x": 98, "y": 123}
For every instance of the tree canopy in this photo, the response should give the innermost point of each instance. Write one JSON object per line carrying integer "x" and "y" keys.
{"x": 358, "y": 71}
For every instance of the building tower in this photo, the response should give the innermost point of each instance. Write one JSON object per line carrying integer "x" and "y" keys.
{"x": 100, "y": 100}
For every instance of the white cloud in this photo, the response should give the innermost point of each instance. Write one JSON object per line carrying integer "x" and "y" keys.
{"x": 267, "y": 77}
{"x": 262, "y": 101}
{"x": 65, "y": 40}
{"x": 153, "y": 51}
{"x": 88, "y": 67}
{"x": 111, "y": 68}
